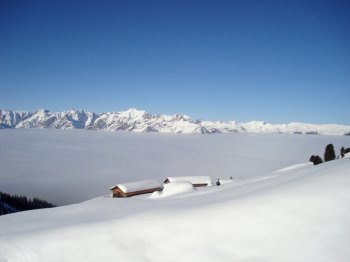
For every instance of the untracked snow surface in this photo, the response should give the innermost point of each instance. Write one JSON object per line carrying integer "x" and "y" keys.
{"x": 298, "y": 214}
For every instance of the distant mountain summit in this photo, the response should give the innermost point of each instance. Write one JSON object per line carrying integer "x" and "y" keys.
{"x": 134, "y": 120}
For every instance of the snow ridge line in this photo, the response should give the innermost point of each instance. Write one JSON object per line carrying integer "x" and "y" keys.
{"x": 134, "y": 120}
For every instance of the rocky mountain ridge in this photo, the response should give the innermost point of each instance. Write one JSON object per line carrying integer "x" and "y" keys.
{"x": 134, "y": 120}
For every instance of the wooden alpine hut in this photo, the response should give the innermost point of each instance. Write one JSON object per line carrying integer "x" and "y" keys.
{"x": 136, "y": 188}
{"x": 196, "y": 181}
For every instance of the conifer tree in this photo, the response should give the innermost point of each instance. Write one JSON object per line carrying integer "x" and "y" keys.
{"x": 318, "y": 160}
{"x": 315, "y": 159}
{"x": 312, "y": 159}
{"x": 347, "y": 150}
{"x": 329, "y": 153}
{"x": 342, "y": 151}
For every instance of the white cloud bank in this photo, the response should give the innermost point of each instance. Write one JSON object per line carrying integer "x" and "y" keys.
{"x": 69, "y": 166}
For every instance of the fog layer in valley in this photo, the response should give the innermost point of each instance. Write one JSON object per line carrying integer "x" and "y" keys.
{"x": 69, "y": 166}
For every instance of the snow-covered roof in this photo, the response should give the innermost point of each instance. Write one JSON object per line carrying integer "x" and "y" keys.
{"x": 192, "y": 179}
{"x": 138, "y": 185}
{"x": 175, "y": 188}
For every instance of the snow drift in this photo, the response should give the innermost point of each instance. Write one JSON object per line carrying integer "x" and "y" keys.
{"x": 174, "y": 188}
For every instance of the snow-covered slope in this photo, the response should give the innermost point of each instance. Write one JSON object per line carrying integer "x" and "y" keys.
{"x": 299, "y": 214}
{"x": 140, "y": 121}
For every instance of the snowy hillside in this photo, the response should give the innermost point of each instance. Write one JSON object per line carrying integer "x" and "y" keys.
{"x": 140, "y": 121}
{"x": 299, "y": 213}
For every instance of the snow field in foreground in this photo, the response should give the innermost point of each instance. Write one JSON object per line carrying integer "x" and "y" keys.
{"x": 298, "y": 214}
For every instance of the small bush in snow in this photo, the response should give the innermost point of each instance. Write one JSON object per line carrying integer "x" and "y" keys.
{"x": 316, "y": 159}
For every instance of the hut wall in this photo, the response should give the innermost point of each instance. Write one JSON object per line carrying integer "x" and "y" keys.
{"x": 117, "y": 192}
{"x": 199, "y": 185}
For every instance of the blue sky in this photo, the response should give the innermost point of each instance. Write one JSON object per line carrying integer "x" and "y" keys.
{"x": 277, "y": 61}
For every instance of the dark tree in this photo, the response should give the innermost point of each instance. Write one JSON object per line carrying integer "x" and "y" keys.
{"x": 312, "y": 159}
{"x": 15, "y": 203}
{"x": 329, "y": 153}
{"x": 316, "y": 160}
{"x": 342, "y": 151}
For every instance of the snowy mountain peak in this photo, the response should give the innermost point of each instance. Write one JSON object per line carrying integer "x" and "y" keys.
{"x": 140, "y": 121}
{"x": 41, "y": 111}
{"x": 132, "y": 113}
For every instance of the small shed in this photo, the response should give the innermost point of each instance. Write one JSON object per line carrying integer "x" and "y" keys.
{"x": 136, "y": 188}
{"x": 196, "y": 181}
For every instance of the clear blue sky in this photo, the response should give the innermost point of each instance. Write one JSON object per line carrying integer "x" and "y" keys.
{"x": 277, "y": 61}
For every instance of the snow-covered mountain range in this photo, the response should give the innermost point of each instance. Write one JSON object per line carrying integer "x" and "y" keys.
{"x": 140, "y": 121}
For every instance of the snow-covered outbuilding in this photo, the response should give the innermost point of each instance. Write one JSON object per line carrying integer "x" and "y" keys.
{"x": 136, "y": 188}
{"x": 196, "y": 181}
